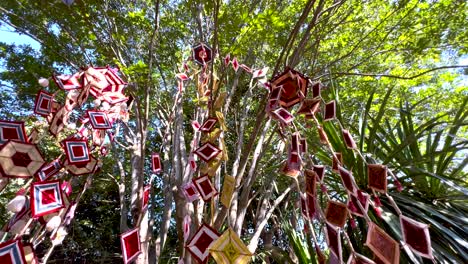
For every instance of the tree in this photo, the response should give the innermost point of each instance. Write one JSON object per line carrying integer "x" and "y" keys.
{"x": 358, "y": 50}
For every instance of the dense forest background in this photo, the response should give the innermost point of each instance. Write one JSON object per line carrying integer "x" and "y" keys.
{"x": 398, "y": 71}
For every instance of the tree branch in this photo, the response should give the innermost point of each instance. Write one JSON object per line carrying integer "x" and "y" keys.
{"x": 378, "y": 75}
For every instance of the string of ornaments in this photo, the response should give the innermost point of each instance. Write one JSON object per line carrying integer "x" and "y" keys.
{"x": 286, "y": 91}
{"x": 84, "y": 125}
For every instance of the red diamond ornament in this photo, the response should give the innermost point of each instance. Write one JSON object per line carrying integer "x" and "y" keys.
{"x": 205, "y": 187}
{"x": 43, "y": 104}
{"x": 416, "y": 236}
{"x": 386, "y": 249}
{"x": 11, "y": 130}
{"x": 46, "y": 198}
{"x": 200, "y": 243}
{"x": 130, "y": 242}
{"x": 207, "y": 152}
{"x": 377, "y": 177}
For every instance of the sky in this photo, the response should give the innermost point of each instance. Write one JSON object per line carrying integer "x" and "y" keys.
{"x": 7, "y": 35}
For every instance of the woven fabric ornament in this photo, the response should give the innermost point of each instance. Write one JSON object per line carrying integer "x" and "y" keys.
{"x": 68, "y": 82}
{"x": 309, "y": 107}
{"x": 295, "y": 143}
{"x": 333, "y": 236}
{"x": 205, "y": 187}
{"x": 187, "y": 223}
{"x": 49, "y": 170}
{"x": 311, "y": 179}
{"x": 200, "y": 243}
{"x": 130, "y": 243}
{"x": 377, "y": 177}
{"x": 208, "y": 125}
{"x": 311, "y": 206}
{"x": 99, "y": 120}
{"x": 116, "y": 84}
{"x": 260, "y": 73}
{"x": 320, "y": 171}
{"x": 46, "y": 198}
{"x": 81, "y": 168}
{"x": 235, "y": 64}
{"x": 228, "y": 189}
{"x": 336, "y": 213}
{"x": 77, "y": 151}
{"x": 57, "y": 122}
{"x": 43, "y": 104}
{"x": 283, "y": 115}
{"x": 363, "y": 200}
{"x": 316, "y": 89}
{"x": 11, "y": 130}
{"x": 202, "y": 54}
{"x": 207, "y": 151}
{"x": 146, "y": 194}
{"x": 416, "y": 236}
{"x": 156, "y": 163}
{"x": 114, "y": 98}
{"x": 323, "y": 136}
{"x": 294, "y": 86}
{"x": 348, "y": 180}
{"x": 303, "y": 145}
{"x": 348, "y": 139}
{"x": 336, "y": 161}
{"x": 11, "y": 252}
{"x": 330, "y": 111}
{"x": 229, "y": 249}
{"x": 190, "y": 192}
{"x": 20, "y": 160}
{"x": 382, "y": 245}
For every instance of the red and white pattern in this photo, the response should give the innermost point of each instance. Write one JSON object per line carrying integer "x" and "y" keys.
{"x": 384, "y": 246}
{"x": 68, "y": 82}
{"x": 81, "y": 168}
{"x": 201, "y": 241}
{"x": 20, "y": 160}
{"x": 146, "y": 195}
{"x": 330, "y": 111}
{"x": 11, "y": 252}
{"x": 235, "y": 64}
{"x": 283, "y": 115}
{"x": 320, "y": 170}
{"x": 348, "y": 139}
{"x": 207, "y": 152}
{"x": 358, "y": 205}
{"x": 43, "y": 104}
{"x": 10, "y": 130}
{"x": 333, "y": 236}
{"x": 77, "y": 151}
{"x": 416, "y": 236}
{"x": 49, "y": 170}
{"x": 202, "y": 54}
{"x": 348, "y": 180}
{"x": 130, "y": 242}
{"x": 377, "y": 177}
{"x": 46, "y": 198}
{"x": 156, "y": 163}
{"x": 208, "y": 124}
{"x": 190, "y": 192}
{"x": 205, "y": 187}
{"x": 99, "y": 120}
